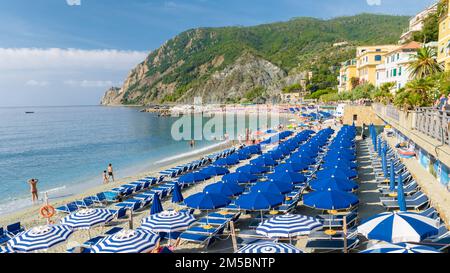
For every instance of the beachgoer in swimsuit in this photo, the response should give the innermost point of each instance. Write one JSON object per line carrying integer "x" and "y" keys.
{"x": 105, "y": 177}
{"x": 110, "y": 172}
{"x": 33, "y": 188}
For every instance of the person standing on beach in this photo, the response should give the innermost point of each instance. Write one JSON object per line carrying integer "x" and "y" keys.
{"x": 33, "y": 188}
{"x": 105, "y": 177}
{"x": 110, "y": 172}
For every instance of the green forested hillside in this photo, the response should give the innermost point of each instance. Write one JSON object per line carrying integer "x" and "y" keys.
{"x": 302, "y": 44}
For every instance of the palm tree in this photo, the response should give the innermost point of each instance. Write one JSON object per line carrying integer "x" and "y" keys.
{"x": 424, "y": 63}
{"x": 383, "y": 93}
{"x": 417, "y": 93}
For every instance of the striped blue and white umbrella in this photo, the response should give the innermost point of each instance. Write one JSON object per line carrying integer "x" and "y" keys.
{"x": 397, "y": 227}
{"x": 289, "y": 225}
{"x": 40, "y": 238}
{"x": 6, "y": 249}
{"x": 168, "y": 221}
{"x": 127, "y": 241}
{"x": 269, "y": 247}
{"x": 87, "y": 218}
{"x": 400, "y": 248}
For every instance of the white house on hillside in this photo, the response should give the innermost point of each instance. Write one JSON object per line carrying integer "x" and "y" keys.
{"x": 396, "y": 66}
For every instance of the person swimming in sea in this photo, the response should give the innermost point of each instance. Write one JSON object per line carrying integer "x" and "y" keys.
{"x": 33, "y": 189}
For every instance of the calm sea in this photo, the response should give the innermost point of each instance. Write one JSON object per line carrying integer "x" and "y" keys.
{"x": 66, "y": 147}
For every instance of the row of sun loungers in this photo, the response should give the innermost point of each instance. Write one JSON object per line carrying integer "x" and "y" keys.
{"x": 11, "y": 231}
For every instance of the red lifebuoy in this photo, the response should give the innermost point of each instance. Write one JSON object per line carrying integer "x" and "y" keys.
{"x": 47, "y": 211}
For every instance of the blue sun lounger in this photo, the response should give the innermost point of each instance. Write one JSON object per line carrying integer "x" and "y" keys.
{"x": 4, "y": 236}
{"x": 85, "y": 203}
{"x": 331, "y": 244}
{"x": 68, "y": 208}
{"x": 99, "y": 199}
{"x": 14, "y": 229}
{"x": 421, "y": 201}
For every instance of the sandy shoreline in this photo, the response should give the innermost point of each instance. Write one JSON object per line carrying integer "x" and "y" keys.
{"x": 29, "y": 216}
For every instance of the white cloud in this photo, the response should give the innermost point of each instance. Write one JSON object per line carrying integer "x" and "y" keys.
{"x": 37, "y": 83}
{"x": 373, "y": 2}
{"x": 73, "y": 2}
{"x": 56, "y": 58}
{"x": 91, "y": 83}
{"x": 33, "y": 76}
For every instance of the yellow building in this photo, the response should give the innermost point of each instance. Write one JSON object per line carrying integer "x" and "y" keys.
{"x": 346, "y": 73}
{"x": 444, "y": 40}
{"x": 367, "y": 59}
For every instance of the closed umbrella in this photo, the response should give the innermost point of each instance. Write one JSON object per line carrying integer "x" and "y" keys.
{"x": 401, "y": 194}
{"x": 156, "y": 205}
{"x": 177, "y": 197}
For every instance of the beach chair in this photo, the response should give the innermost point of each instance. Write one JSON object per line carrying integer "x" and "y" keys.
{"x": 120, "y": 213}
{"x": 410, "y": 189}
{"x": 421, "y": 201}
{"x": 407, "y": 198}
{"x": 331, "y": 244}
{"x": 213, "y": 221}
{"x": 200, "y": 235}
{"x": 99, "y": 199}
{"x": 4, "y": 236}
{"x": 441, "y": 243}
{"x": 14, "y": 229}
{"x": 84, "y": 203}
{"x": 430, "y": 213}
{"x": 68, "y": 208}
{"x": 131, "y": 204}
{"x": 112, "y": 196}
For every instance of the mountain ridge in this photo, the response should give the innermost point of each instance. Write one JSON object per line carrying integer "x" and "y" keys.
{"x": 262, "y": 57}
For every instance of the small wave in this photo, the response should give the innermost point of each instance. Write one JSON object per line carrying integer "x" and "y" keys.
{"x": 191, "y": 153}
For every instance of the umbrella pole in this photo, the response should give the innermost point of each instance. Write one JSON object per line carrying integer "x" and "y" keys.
{"x": 345, "y": 233}
{"x": 130, "y": 223}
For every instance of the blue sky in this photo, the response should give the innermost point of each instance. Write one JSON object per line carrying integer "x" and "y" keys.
{"x": 122, "y": 32}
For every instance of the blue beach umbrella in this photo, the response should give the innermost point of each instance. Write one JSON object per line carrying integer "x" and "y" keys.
{"x": 87, "y": 218}
{"x": 307, "y": 160}
{"x": 156, "y": 205}
{"x": 127, "y": 241}
{"x": 259, "y": 200}
{"x": 350, "y": 173}
{"x": 40, "y": 238}
{"x": 392, "y": 177}
{"x": 291, "y": 177}
{"x": 264, "y": 161}
{"x": 240, "y": 177}
{"x": 224, "y": 188}
{"x": 244, "y": 154}
{"x": 269, "y": 247}
{"x": 291, "y": 167}
{"x": 177, "y": 196}
{"x": 215, "y": 171}
{"x": 191, "y": 178}
{"x": 397, "y": 227}
{"x": 206, "y": 201}
{"x": 334, "y": 184}
{"x": 272, "y": 187}
{"x": 401, "y": 194}
{"x": 252, "y": 169}
{"x": 287, "y": 226}
{"x": 341, "y": 164}
{"x": 330, "y": 200}
{"x": 338, "y": 173}
{"x": 403, "y": 248}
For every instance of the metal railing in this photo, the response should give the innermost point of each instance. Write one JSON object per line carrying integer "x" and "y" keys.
{"x": 433, "y": 123}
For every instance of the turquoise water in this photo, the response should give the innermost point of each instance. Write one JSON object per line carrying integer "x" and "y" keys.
{"x": 65, "y": 147}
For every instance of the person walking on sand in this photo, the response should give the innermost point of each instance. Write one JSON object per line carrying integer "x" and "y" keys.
{"x": 110, "y": 172}
{"x": 33, "y": 188}
{"x": 105, "y": 177}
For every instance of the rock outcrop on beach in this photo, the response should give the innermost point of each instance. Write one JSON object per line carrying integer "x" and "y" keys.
{"x": 237, "y": 64}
